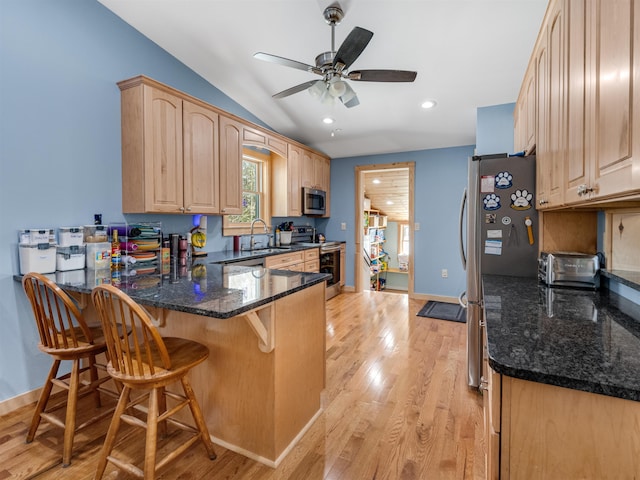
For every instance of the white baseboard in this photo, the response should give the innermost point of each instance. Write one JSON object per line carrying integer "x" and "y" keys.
{"x": 437, "y": 298}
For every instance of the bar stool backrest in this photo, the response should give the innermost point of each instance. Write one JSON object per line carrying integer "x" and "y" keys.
{"x": 60, "y": 323}
{"x": 135, "y": 353}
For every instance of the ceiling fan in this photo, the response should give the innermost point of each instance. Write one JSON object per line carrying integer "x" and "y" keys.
{"x": 333, "y": 66}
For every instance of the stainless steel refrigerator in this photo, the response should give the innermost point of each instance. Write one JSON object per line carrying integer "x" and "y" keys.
{"x": 501, "y": 227}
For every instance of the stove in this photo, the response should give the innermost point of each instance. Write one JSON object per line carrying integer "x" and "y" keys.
{"x": 329, "y": 256}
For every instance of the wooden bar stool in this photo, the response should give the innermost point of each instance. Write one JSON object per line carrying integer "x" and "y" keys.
{"x": 143, "y": 360}
{"x": 64, "y": 335}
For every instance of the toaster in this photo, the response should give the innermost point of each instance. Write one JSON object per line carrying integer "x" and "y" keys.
{"x": 569, "y": 269}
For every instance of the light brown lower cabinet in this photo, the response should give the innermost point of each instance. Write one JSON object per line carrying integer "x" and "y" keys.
{"x": 549, "y": 432}
{"x": 302, "y": 261}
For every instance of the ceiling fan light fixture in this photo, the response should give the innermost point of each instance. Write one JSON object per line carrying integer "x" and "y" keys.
{"x": 337, "y": 89}
{"x": 328, "y": 120}
{"x": 349, "y": 93}
{"x": 317, "y": 89}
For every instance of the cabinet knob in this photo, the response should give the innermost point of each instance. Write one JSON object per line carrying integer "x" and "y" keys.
{"x": 188, "y": 209}
{"x": 182, "y": 209}
{"x": 542, "y": 201}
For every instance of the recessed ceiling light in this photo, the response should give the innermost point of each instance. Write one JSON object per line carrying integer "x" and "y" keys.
{"x": 376, "y": 181}
{"x": 389, "y": 202}
{"x": 327, "y": 120}
{"x": 429, "y": 104}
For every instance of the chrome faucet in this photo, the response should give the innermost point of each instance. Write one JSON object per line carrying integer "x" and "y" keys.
{"x": 252, "y": 241}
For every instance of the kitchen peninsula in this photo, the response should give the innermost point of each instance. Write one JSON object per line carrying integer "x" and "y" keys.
{"x": 260, "y": 388}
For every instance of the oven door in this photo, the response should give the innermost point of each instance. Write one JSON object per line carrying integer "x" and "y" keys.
{"x": 330, "y": 263}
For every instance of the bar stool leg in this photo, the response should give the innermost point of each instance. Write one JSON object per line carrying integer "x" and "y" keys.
{"x": 198, "y": 417}
{"x": 42, "y": 401}
{"x": 152, "y": 436}
{"x": 70, "y": 419}
{"x": 111, "y": 433}
{"x": 93, "y": 371}
{"x": 162, "y": 407}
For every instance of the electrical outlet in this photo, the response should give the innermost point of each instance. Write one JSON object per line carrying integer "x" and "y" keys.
{"x": 416, "y": 227}
{"x": 445, "y": 273}
{"x": 343, "y": 226}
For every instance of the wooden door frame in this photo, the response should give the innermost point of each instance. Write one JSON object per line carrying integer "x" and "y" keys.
{"x": 360, "y": 170}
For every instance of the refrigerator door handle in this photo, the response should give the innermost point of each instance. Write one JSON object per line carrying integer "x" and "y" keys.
{"x": 463, "y": 255}
{"x": 462, "y": 299}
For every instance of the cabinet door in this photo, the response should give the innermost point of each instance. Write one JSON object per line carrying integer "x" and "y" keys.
{"x": 201, "y": 161}
{"x": 525, "y": 113}
{"x": 576, "y": 167}
{"x": 163, "y": 170}
{"x": 318, "y": 172}
{"x": 530, "y": 101}
{"x": 555, "y": 106}
{"x": 307, "y": 171}
{"x": 543, "y": 161}
{"x": 294, "y": 191}
{"x": 230, "y": 166}
{"x": 615, "y": 166}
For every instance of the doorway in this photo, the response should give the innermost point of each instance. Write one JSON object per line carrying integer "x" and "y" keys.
{"x": 384, "y": 227}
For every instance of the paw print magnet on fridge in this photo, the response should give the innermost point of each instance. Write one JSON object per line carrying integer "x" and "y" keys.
{"x": 491, "y": 202}
{"x": 504, "y": 180}
{"x": 521, "y": 200}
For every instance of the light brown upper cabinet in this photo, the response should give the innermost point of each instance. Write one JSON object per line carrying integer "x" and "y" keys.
{"x": 587, "y": 61}
{"x": 525, "y": 113}
{"x": 182, "y": 155}
{"x": 257, "y": 138}
{"x": 315, "y": 170}
{"x": 231, "y": 135}
{"x": 170, "y": 151}
{"x": 286, "y": 192}
{"x": 549, "y": 63}
{"x": 612, "y": 77}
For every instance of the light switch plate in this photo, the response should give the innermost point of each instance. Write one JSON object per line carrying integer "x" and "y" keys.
{"x": 343, "y": 226}
{"x": 416, "y": 226}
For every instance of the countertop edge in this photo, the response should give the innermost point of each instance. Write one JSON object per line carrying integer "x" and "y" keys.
{"x": 597, "y": 386}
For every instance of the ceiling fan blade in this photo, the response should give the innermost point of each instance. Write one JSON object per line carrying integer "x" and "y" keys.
{"x": 296, "y": 89}
{"x": 352, "y": 47}
{"x": 267, "y": 57}
{"x": 383, "y": 76}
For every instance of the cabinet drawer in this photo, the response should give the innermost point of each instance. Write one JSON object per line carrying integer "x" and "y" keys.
{"x": 285, "y": 259}
{"x": 311, "y": 254}
{"x": 312, "y": 266}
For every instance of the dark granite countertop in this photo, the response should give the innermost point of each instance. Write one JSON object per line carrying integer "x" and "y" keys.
{"x": 212, "y": 290}
{"x": 579, "y": 339}
{"x": 626, "y": 277}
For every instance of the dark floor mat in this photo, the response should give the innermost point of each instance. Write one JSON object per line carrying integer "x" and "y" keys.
{"x": 443, "y": 311}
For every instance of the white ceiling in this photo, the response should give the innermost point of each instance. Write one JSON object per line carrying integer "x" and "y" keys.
{"x": 468, "y": 54}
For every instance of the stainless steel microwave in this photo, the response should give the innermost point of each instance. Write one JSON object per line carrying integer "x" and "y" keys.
{"x": 314, "y": 202}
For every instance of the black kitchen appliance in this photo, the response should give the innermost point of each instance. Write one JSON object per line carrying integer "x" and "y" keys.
{"x": 314, "y": 201}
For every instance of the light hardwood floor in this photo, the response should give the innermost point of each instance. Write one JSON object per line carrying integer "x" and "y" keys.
{"x": 396, "y": 406}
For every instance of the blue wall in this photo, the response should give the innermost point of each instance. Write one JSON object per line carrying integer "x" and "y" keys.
{"x": 440, "y": 178}
{"x": 60, "y": 141}
{"x": 494, "y": 129}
